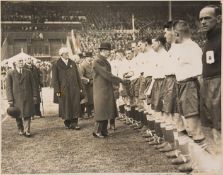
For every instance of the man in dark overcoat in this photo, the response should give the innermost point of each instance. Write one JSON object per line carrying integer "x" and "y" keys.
{"x": 67, "y": 86}
{"x": 37, "y": 77}
{"x": 104, "y": 101}
{"x": 22, "y": 93}
{"x": 87, "y": 80}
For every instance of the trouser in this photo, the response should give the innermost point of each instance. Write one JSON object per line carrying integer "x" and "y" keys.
{"x": 37, "y": 109}
{"x": 83, "y": 108}
{"x": 112, "y": 122}
{"x": 89, "y": 109}
{"x": 101, "y": 127}
{"x": 23, "y": 124}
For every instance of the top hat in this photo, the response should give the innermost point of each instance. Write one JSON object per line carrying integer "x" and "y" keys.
{"x": 105, "y": 46}
{"x": 13, "y": 111}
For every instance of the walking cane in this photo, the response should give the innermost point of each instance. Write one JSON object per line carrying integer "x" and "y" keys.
{"x": 42, "y": 100}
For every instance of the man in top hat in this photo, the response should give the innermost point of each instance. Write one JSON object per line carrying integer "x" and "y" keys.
{"x": 67, "y": 86}
{"x": 104, "y": 101}
{"x": 21, "y": 92}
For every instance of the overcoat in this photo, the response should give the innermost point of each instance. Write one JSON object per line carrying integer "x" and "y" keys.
{"x": 66, "y": 80}
{"x": 21, "y": 89}
{"x": 37, "y": 78}
{"x": 87, "y": 74}
{"x": 103, "y": 80}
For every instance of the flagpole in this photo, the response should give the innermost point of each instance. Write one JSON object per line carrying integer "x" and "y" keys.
{"x": 170, "y": 10}
{"x": 133, "y": 27}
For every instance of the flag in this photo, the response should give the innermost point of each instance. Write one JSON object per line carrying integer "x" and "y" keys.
{"x": 75, "y": 38}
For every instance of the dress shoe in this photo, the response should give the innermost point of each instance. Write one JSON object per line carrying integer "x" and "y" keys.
{"x": 167, "y": 148}
{"x": 66, "y": 124}
{"x": 98, "y": 135}
{"x": 21, "y": 132}
{"x": 27, "y": 134}
{"x": 75, "y": 127}
{"x": 181, "y": 159}
{"x": 173, "y": 154}
{"x": 41, "y": 116}
{"x": 186, "y": 168}
{"x": 105, "y": 134}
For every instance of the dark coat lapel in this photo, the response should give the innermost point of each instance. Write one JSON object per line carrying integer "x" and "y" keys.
{"x": 105, "y": 61}
{"x": 16, "y": 73}
{"x": 62, "y": 64}
{"x": 23, "y": 75}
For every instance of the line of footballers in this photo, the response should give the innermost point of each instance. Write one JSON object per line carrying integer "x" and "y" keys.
{"x": 161, "y": 95}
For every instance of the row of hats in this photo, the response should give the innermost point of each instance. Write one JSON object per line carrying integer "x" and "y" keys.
{"x": 85, "y": 54}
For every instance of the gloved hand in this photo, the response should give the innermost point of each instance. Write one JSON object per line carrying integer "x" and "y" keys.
{"x": 58, "y": 94}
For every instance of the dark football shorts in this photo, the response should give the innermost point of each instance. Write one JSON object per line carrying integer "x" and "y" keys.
{"x": 169, "y": 94}
{"x": 144, "y": 83}
{"x": 155, "y": 95}
{"x": 188, "y": 97}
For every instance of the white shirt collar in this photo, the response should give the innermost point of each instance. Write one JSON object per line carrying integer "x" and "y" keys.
{"x": 18, "y": 69}
{"x": 64, "y": 60}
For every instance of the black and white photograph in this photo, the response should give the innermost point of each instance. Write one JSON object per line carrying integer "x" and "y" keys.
{"x": 111, "y": 87}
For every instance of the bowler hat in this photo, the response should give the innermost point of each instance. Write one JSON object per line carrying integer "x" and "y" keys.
{"x": 13, "y": 111}
{"x": 105, "y": 46}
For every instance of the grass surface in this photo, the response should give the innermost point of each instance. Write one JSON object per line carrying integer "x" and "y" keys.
{"x": 54, "y": 149}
